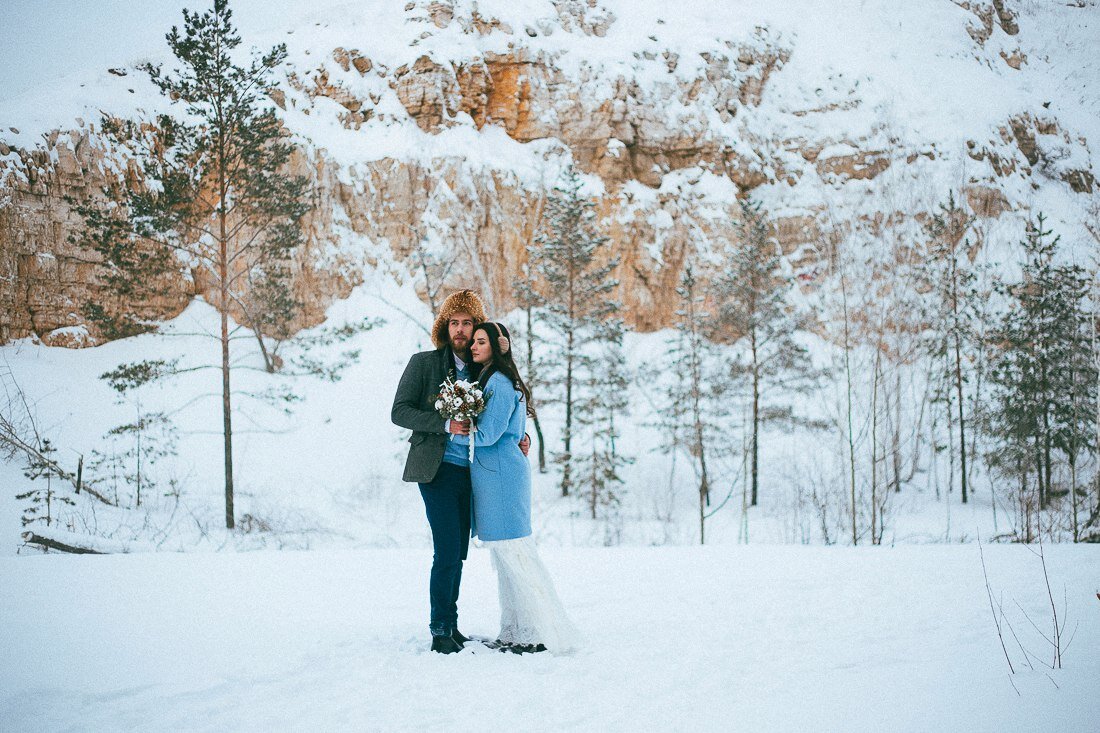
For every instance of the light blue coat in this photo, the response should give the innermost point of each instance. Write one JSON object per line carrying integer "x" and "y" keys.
{"x": 500, "y": 473}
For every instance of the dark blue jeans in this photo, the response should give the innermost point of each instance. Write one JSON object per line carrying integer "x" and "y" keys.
{"x": 447, "y": 503}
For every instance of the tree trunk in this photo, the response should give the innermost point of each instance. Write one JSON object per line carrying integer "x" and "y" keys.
{"x": 895, "y": 437}
{"x": 1039, "y": 483}
{"x": 1021, "y": 499}
{"x": 530, "y": 367}
{"x": 1073, "y": 494}
{"x": 848, "y": 380}
{"x": 702, "y": 518}
{"x": 1047, "y": 470}
{"x": 34, "y": 539}
{"x": 571, "y": 317}
{"x": 1096, "y": 363}
{"x": 542, "y": 445}
{"x": 962, "y": 419}
{"x": 874, "y": 443}
{"x": 269, "y": 361}
{"x": 137, "y": 482}
{"x": 755, "y": 416}
{"x": 704, "y": 479}
{"x": 227, "y": 417}
{"x": 568, "y": 432}
{"x": 593, "y": 494}
{"x": 227, "y": 423}
{"x": 694, "y": 357}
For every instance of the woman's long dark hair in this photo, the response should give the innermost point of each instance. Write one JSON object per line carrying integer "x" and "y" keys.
{"x": 502, "y": 362}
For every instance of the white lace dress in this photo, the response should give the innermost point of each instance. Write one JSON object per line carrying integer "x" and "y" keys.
{"x": 530, "y": 610}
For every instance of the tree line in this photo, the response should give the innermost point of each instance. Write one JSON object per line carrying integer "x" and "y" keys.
{"x": 944, "y": 368}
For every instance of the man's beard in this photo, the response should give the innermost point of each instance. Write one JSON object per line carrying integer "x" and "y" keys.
{"x": 460, "y": 343}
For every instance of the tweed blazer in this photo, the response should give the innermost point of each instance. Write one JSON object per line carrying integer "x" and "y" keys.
{"x": 500, "y": 474}
{"x": 414, "y": 409}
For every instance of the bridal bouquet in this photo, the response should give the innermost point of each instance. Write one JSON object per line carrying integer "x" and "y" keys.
{"x": 463, "y": 401}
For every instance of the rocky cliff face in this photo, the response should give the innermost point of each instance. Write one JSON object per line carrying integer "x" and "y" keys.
{"x": 670, "y": 139}
{"x": 47, "y": 280}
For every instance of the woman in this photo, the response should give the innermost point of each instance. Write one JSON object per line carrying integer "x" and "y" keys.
{"x": 532, "y": 617}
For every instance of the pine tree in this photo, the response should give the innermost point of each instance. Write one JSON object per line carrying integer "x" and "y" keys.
{"x": 601, "y": 410}
{"x": 750, "y": 290}
{"x": 1074, "y": 424}
{"x": 1042, "y": 373}
{"x": 43, "y": 500}
{"x": 215, "y": 192}
{"x": 529, "y": 299}
{"x": 147, "y": 440}
{"x": 1092, "y": 524}
{"x": 569, "y": 258}
{"x": 698, "y": 390}
{"x": 1075, "y": 434}
{"x": 951, "y": 292}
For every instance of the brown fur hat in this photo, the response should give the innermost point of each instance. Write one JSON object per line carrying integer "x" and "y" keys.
{"x": 464, "y": 301}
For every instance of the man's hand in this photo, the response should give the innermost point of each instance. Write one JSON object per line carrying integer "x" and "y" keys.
{"x": 459, "y": 427}
{"x": 525, "y": 444}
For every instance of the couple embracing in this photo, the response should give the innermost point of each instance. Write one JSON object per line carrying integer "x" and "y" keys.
{"x": 488, "y": 496}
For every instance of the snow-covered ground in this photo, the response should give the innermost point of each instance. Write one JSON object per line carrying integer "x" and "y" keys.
{"x": 679, "y": 639}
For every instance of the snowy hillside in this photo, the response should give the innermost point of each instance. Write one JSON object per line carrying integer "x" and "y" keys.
{"x": 452, "y": 121}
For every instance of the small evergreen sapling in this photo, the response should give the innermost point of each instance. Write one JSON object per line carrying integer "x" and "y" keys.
{"x": 44, "y": 501}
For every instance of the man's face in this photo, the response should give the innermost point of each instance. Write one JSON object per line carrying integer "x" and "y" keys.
{"x": 459, "y": 330}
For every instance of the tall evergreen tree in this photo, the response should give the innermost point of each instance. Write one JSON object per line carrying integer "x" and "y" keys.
{"x": 570, "y": 258}
{"x": 1042, "y": 372}
{"x": 945, "y": 273}
{"x": 601, "y": 410}
{"x": 215, "y": 192}
{"x": 1074, "y": 421}
{"x": 698, "y": 389}
{"x": 750, "y": 290}
{"x": 529, "y": 299}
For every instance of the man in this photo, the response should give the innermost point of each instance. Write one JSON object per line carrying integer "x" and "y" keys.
{"x": 437, "y": 464}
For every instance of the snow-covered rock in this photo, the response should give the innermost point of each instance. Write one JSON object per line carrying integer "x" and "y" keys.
{"x": 449, "y": 122}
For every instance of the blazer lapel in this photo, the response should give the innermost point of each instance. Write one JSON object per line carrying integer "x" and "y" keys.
{"x": 446, "y": 363}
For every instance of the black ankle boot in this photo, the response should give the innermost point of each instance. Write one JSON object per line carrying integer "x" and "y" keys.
{"x": 459, "y": 637}
{"x": 515, "y": 648}
{"x": 445, "y": 645}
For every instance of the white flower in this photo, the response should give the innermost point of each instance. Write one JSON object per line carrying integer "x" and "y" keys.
{"x": 439, "y": 404}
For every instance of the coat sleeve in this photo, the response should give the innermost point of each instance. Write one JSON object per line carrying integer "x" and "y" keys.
{"x": 406, "y": 410}
{"x": 492, "y": 423}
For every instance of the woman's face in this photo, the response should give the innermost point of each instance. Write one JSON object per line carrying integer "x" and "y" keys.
{"x": 480, "y": 348}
